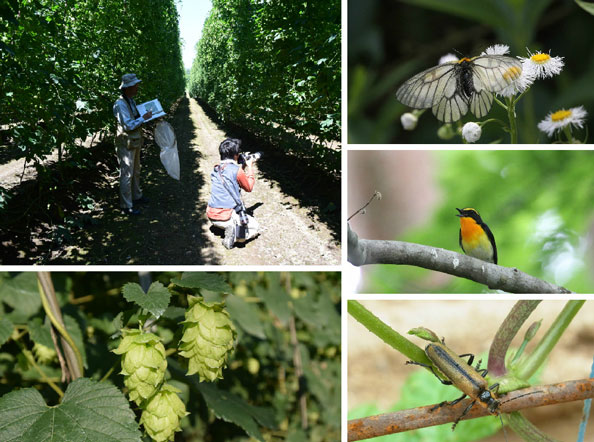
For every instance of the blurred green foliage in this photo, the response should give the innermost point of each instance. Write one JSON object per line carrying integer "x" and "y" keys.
{"x": 276, "y": 315}
{"x": 538, "y": 204}
{"x": 273, "y": 68}
{"x": 391, "y": 40}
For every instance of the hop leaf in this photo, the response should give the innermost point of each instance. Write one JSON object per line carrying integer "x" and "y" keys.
{"x": 208, "y": 338}
{"x": 162, "y": 414}
{"x": 143, "y": 363}
{"x": 43, "y": 354}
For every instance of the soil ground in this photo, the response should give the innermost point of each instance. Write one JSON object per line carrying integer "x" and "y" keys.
{"x": 296, "y": 205}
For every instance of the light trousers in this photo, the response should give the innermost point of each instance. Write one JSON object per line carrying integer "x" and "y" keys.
{"x": 129, "y": 160}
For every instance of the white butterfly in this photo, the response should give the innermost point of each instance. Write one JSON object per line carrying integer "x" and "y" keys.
{"x": 450, "y": 89}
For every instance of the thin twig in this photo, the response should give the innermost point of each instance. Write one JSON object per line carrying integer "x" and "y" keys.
{"x": 298, "y": 363}
{"x": 421, "y": 417}
{"x": 376, "y": 195}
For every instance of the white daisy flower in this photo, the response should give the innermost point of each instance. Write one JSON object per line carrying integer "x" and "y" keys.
{"x": 556, "y": 121}
{"x": 523, "y": 82}
{"x": 542, "y": 65}
{"x": 496, "y": 50}
{"x": 471, "y": 132}
{"x": 447, "y": 58}
{"x": 409, "y": 121}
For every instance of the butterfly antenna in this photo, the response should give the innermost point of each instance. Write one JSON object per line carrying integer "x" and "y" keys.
{"x": 460, "y": 55}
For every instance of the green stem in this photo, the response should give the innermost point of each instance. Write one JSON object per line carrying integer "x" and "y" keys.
{"x": 78, "y": 370}
{"x": 386, "y": 333}
{"x": 546, "y": 344}
{"x": 511, "y": 114}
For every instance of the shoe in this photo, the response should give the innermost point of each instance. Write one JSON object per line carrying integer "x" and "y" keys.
{"x": 142, "y": 200}
{"x": 130, "y": 211}
{"x": 229, "y": 239}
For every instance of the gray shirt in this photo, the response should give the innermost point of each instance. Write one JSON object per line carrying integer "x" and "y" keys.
{"x": 121, "y": 110}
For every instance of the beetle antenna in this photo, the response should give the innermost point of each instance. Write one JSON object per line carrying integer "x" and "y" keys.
{"x": 522, "y": 395}
{"x": 502, "y": 426}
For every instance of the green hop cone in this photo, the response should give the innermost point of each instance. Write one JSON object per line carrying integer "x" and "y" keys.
{"x": 162, "y": 414}
{"x": 208, "y": 338}
{"x": 143, "y": 364}
{"x": 43, "y": 354}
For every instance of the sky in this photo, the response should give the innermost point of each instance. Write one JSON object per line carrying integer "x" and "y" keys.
{"x": 192, "y": 14}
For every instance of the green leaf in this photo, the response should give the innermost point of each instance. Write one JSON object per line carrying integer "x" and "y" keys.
{"x": 155, "y": 301}
{"x": 276, "y": 299}
{"x": 90, "y": 412}
{"x": 246, "y": 315}
{"x": 21, "y": 293}
{"x": 586, "y": 6}
{"x": 209, "y": 281}
{"x": 40, "y": 332}
{"x": 6, "y": 328}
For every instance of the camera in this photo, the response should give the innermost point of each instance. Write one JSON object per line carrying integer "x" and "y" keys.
{"x": 244, "y": 157}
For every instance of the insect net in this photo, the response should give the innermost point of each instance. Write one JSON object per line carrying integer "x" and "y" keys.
{"x": 165, "y": 138}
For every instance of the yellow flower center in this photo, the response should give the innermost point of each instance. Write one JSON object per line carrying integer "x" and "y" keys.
{"x": 561, "y": 115}
{"x": 540, "y": 58}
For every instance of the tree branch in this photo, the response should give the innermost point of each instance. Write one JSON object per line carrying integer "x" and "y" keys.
{"x": 366, "y": 251}
{"x": 412, "y": 419}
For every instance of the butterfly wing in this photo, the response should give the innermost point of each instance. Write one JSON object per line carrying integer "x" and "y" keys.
{"x": 426, "y": 88}
{"x": 495, "y": 72}
{"x": 441, "y": 88}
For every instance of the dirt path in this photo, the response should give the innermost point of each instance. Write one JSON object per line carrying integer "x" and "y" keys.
{"x": 296, "y": 228}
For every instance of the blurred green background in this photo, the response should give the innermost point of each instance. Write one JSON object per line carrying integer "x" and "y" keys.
{"x": 391, "y": 40}
{"x": 539, "y": 205}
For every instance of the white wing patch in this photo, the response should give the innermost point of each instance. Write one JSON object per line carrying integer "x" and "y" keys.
{"x": 442, "y": 87}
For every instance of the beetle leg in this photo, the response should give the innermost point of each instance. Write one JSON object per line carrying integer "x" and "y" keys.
{"x": 483, "y": 372}
{"x": 495, "y": 387}
{"x": 444, "y": 403}
{"x": 432, "y": 371}
{"x": 470, "y": 359}
{"x": 464, "y": 413}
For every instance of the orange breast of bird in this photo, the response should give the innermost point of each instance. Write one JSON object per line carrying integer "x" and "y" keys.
{"x": 472, "y": 233}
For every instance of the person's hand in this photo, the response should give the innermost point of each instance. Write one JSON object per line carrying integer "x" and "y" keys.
{"x": 249, "y": 163}
{"x": 148, "y": 115}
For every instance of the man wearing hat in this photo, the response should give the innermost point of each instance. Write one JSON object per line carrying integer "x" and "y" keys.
{"x": 128, "y": 143}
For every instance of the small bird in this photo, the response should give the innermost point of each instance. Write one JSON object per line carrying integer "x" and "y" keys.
{"x": 476, "y": 238}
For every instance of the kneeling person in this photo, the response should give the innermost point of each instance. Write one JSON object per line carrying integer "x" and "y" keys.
{"x": 225, "y": 208}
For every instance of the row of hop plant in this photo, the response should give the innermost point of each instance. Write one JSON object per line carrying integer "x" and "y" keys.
{"x": 207, "y": 341}
{"x": 559, "y": 125}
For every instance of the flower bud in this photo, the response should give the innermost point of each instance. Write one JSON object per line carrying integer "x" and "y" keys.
{"x": 162, "y": 414}
{"x": 43, "y": 354}
{"x": 471, "y": 132}
{"x": 208, "y": 338}
{"x": 143, "y": 364}
{"x": 409, "y": 121}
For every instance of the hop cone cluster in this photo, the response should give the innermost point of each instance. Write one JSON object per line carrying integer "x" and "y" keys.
{"x": 208, "y": 338}
{"x": 43, "y": 354}
{"x": 162, "y": 414}
{"x": 143, "y": 364}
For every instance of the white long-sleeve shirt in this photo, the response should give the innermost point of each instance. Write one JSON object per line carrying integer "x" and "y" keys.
{"x": 123, "y": 115}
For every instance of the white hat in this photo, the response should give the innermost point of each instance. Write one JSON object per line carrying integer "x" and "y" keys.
{"x": 129, "y": 80}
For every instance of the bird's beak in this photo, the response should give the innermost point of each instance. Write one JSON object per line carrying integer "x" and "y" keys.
{"x": 460, "y": 214}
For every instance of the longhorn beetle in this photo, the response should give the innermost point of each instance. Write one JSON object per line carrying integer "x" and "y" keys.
{"x": 460, "y": 373}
